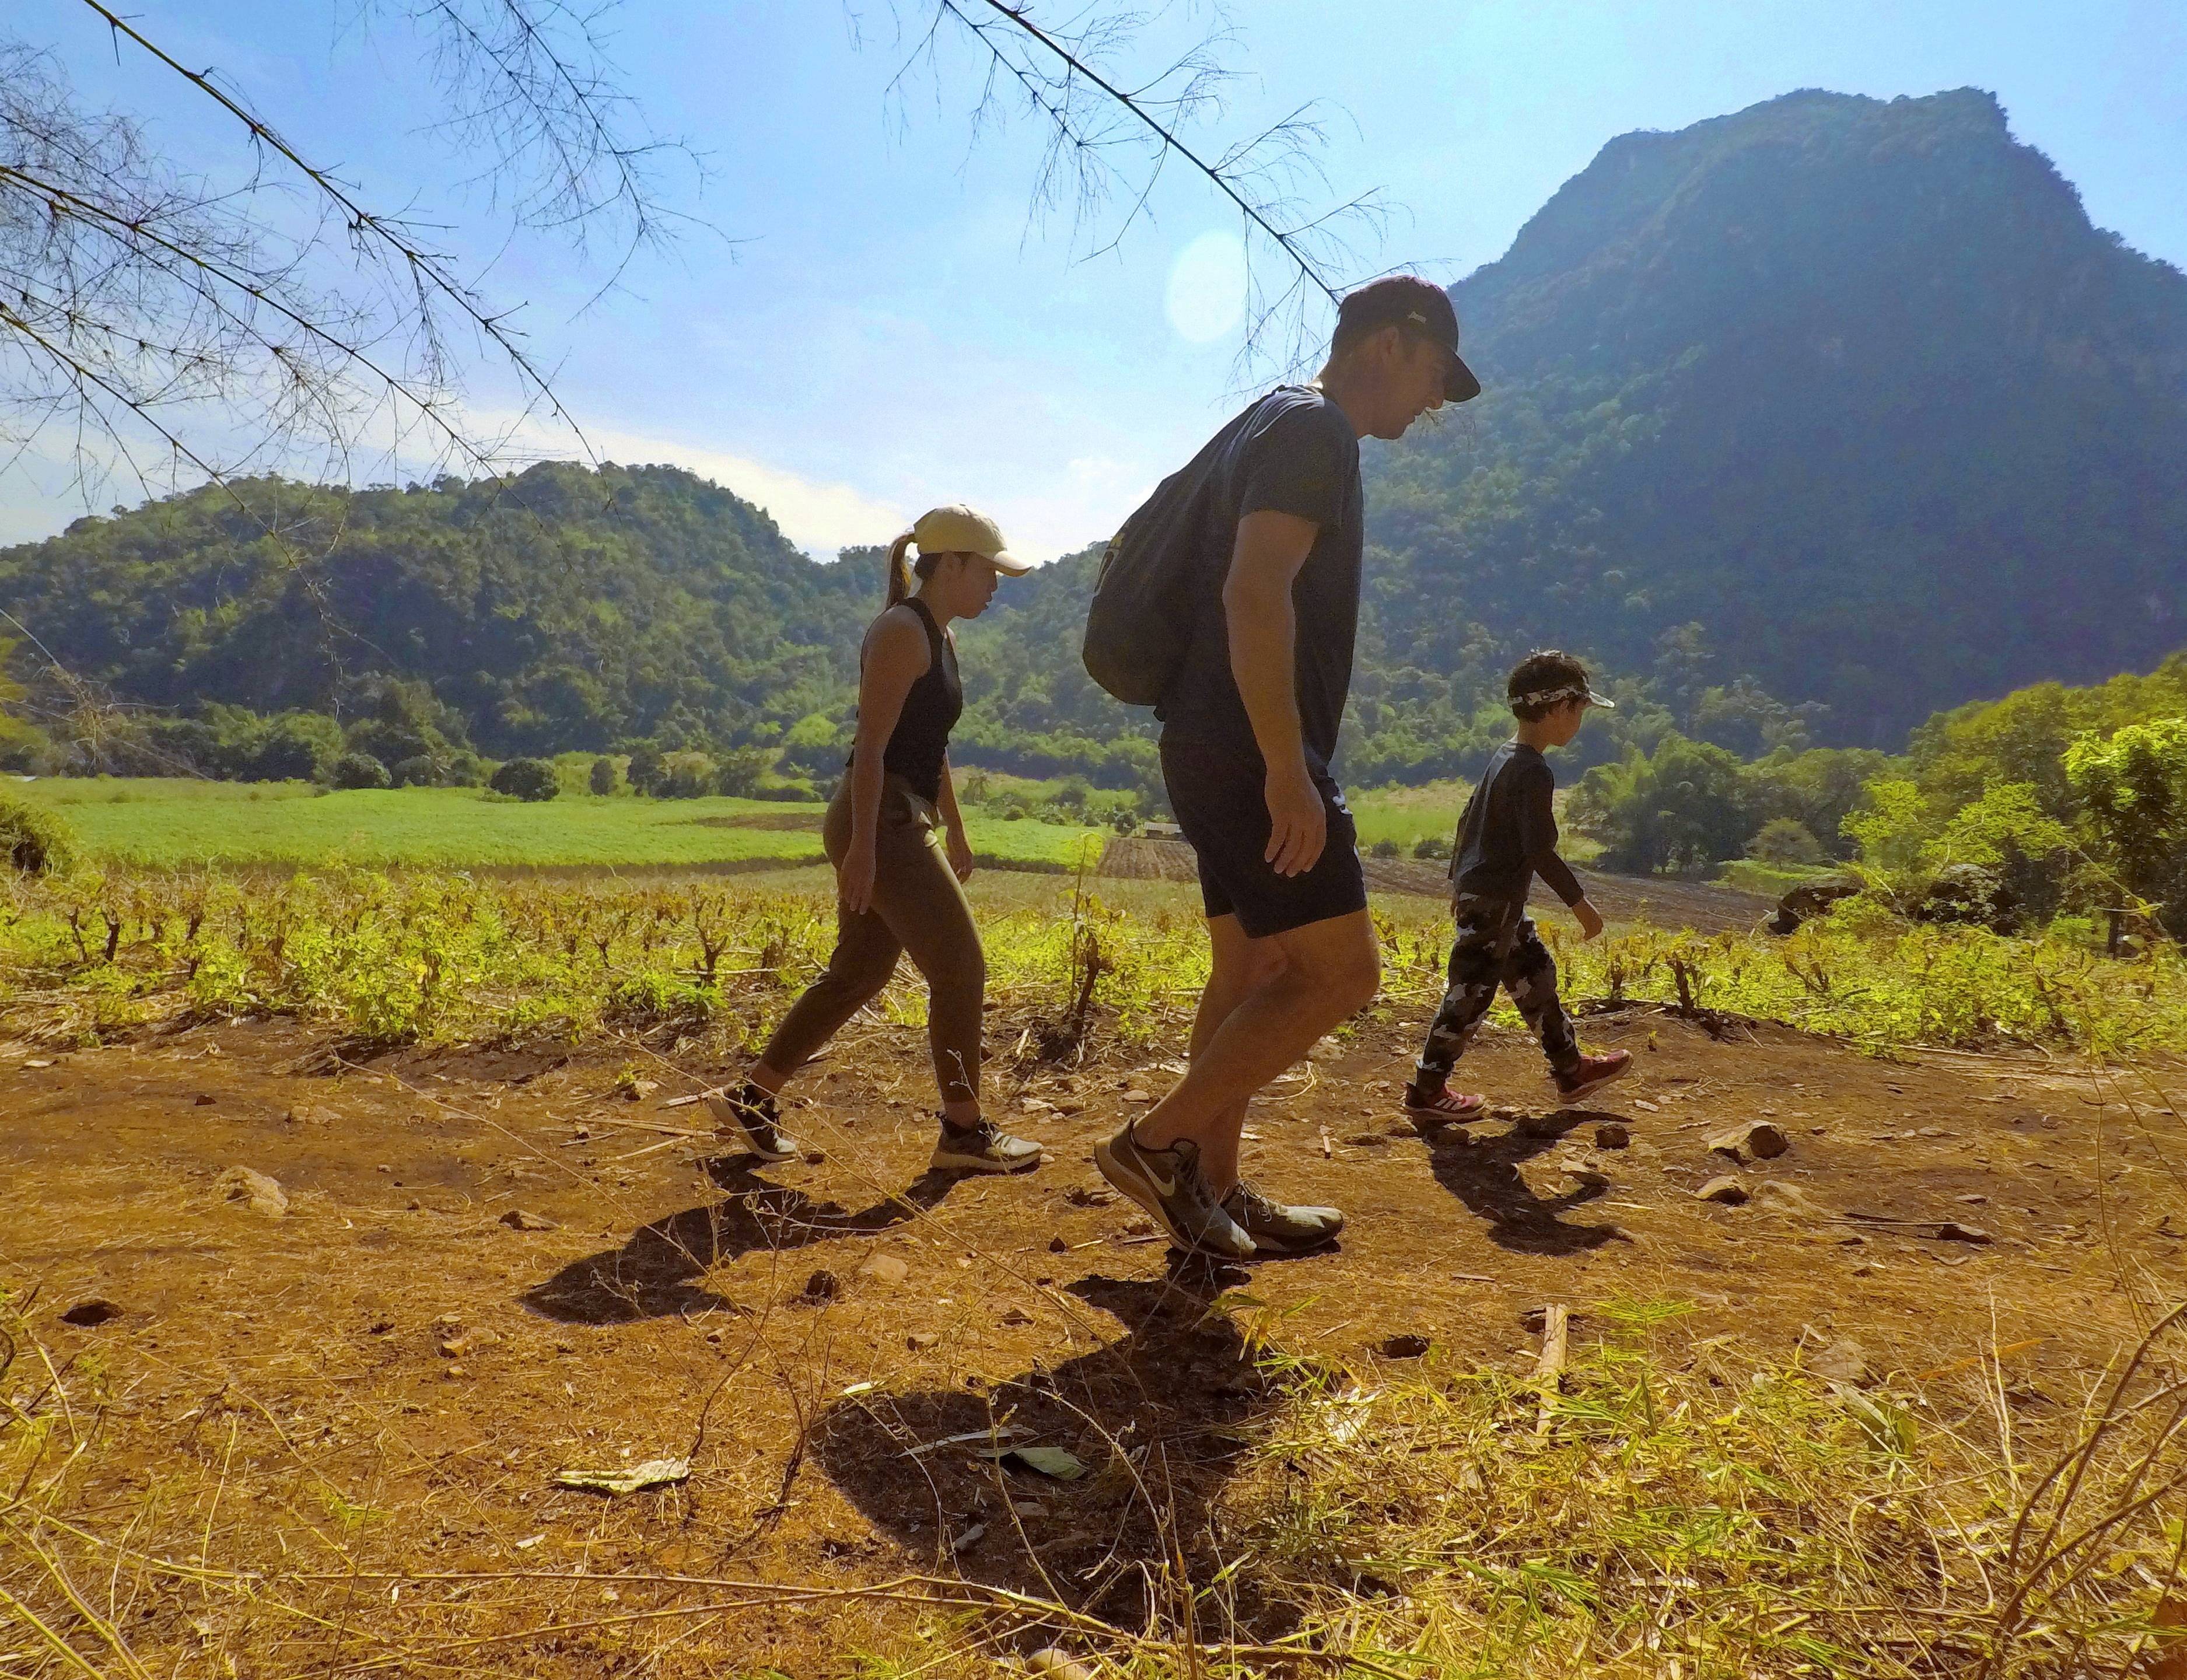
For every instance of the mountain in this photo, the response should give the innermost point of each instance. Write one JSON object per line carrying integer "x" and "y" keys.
{"x": 1852, "y": 385}
{"x": 562, "y": 609}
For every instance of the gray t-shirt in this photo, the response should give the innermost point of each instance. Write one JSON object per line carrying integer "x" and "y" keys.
{"x": 1293, "y": 452}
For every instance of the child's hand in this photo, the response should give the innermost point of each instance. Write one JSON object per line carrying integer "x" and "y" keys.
{"x": 1590, "y": 918}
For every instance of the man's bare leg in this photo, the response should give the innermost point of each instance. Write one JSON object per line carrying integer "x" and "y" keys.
{"x": 1259, "y": 1014}
{"x": 1242, "y": 965}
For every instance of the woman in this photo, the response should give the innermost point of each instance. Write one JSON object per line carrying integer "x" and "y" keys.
{"x": 898, "y": 888}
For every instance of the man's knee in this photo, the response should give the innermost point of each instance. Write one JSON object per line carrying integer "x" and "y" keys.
{"x": 1345, "y": 967}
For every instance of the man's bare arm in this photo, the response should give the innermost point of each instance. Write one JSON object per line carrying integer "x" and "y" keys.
{"x": 1257, "y": 605}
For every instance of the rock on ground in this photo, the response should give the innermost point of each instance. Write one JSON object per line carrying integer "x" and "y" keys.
{"x": 254, "y": 1190}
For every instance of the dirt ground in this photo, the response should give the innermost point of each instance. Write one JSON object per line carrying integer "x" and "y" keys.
{"x": 495, "y": 1265}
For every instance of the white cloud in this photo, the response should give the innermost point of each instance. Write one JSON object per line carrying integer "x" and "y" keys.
{"x": 818, "y": 516}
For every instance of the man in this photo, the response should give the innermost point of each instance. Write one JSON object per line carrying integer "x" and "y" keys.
{"x": 1249, "y": 724}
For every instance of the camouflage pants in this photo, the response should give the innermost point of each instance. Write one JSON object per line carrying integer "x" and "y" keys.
{"x": 1491, "y": 951}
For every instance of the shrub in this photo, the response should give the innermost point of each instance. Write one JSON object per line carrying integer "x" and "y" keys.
{"x": 1433, "y": 847}
{"x": 529, "y": 779}
{"x": 603, "y": 778}
{"x": 1384, "y": 848}
{"x": 416, "y": 773}
{"x": 361, "y": 770}
{"x": 33, "y": 841}
{"x": 646, "y": 768}
{"x": 738, "y": 772}
{"x": 1786, "y": 843}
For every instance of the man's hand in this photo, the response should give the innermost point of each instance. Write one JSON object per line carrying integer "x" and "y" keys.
{"x": 960, "y": 853}
{"x": 1298, "y": 821}
{"x": 854, "y": 879}
{"x": 1590, "y": 918}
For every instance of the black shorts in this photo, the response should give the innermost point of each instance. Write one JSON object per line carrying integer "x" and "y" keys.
{"x": 1220, "y": 797}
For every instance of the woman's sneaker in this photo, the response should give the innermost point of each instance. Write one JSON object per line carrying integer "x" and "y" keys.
{"x": 1169, "y": 1184}
{"x": 1278, "y": 1227}
{"x": 984, "y": 1148}
{"x": 1593, "y": 1073}
{"x": 748, "y": 1115}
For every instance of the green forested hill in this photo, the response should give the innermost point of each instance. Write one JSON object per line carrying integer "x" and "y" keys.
{"x": 563, "y": 609}
{"x": 1852, "y": 385}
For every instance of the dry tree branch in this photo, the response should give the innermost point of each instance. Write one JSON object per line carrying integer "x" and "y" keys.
{"x": 1110, "y": 137}
{"x": 374, "y": 236}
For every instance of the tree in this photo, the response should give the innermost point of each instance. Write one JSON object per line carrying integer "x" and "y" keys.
{"x": 646, "y": 769}
{"x": 603, "y": 777}
{"x": 1683, "y": 807}
{"x": 1893, "y": 827}
{"x": 529, "y": 779}
{"x": 2133, "y": 786}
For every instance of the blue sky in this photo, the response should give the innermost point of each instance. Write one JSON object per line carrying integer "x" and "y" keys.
{"x": 875, "y": 327}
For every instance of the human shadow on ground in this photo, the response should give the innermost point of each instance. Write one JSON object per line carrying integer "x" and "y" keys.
{"x": 661, "y": 1272}
{"x": 1162, "y": 1416}
{"x": 1483, "y": 1173}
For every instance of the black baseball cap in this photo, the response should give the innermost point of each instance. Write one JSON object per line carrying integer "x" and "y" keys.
{"x": 1407, "y": 300}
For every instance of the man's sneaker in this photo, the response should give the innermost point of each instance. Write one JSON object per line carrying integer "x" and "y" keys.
{"x": 1443, "y": 1105}
{"x": 748, "y": 1115}
{"x": 984, "y": 1148}
{"x": 1279, "y": 1228}
{"x": 1593, "y": 1073}
{"x": 1169, "y": 1184}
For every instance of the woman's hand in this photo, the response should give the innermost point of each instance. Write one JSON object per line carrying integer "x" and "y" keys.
{"x": 960, "y": 852}
{"x": 854, "y": 879}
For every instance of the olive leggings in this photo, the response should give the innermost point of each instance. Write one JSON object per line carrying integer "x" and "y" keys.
{"x": 918, "y": 907}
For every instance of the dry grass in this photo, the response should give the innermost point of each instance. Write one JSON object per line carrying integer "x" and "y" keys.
{"x": 1682, "y": 1513}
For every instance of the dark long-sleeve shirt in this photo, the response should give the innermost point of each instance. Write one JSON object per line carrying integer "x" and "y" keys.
{"x": 1509, "y": 834}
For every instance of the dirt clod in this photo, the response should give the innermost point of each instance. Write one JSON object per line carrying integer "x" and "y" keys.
{"x": 1844, "y": 1360}
{"x": 823, "y": 1286}
{"x": 1757, "y": 1140}
{"x": 1055, "y": 1664}
{"x": 885, "y": 1268}
{"x": 1951, "y": 1231}
{"x": 1611, "y": 1135}
{"x": 259, "y": 1193}
{"x": 1722, "y": 1188}
{"x": 1407, "y": 1345}
{"x": 519, "y": 1220}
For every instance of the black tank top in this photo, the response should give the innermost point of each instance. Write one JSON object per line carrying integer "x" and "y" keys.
{"x": 931, "y": 710}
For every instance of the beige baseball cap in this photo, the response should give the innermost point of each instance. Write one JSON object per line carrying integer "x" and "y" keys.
{"x": 956, "y": 530}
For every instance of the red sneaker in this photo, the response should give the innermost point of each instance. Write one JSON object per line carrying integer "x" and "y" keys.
{"x": 1593, "y": 1073}
{"x": 1445, "y": 1106}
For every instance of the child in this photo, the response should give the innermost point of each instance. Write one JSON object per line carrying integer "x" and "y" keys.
{"x": 1508, "y": 836}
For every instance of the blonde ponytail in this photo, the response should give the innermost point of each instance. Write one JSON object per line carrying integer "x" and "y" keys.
{"x": 899, "y": 573}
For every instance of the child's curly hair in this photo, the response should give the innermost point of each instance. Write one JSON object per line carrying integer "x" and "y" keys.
{"x": 1543, "y": 681}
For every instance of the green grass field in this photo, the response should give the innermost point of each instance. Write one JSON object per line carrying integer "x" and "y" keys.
{"x": 167, "y": 824}
{"x": 1430, "y": 812}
